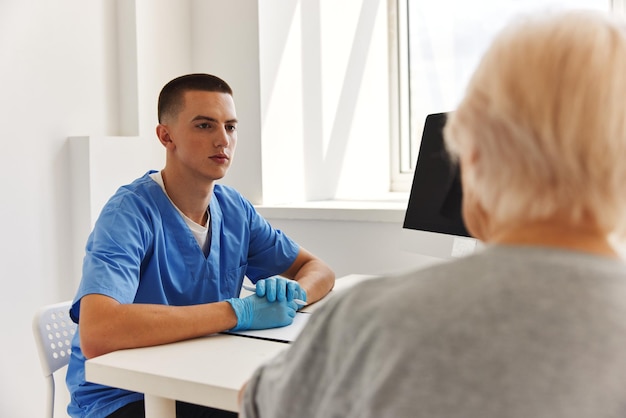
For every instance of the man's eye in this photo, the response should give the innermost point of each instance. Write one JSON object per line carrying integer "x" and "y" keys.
{"x": 231, "y": 128}
{"x": 203, "y": 125}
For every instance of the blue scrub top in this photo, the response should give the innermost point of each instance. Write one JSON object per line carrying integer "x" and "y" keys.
{"x": 141, "y": 251}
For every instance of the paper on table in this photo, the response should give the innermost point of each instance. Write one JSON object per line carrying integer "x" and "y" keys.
{"x": 283, "y": 334}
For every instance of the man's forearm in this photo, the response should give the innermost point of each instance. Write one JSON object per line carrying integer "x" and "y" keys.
{"x": 106, "y": 325}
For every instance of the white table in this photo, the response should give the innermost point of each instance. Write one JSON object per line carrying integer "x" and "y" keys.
{"x": 205, "y": 371}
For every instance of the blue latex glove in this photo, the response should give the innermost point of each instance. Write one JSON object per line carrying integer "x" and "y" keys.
{"x": 254, "y": 312}
{"x": 280, "y": 289}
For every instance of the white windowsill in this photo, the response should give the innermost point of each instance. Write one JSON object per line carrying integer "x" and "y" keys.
{"x": 389, "y": 208}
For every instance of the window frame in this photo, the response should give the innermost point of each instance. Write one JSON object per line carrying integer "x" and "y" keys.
{"x": 401, "y": 175}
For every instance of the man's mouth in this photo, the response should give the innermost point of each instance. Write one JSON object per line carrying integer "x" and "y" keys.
{"x": 221, "y": 158}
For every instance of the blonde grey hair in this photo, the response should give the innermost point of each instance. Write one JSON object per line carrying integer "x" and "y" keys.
{"x": 545, "y": 114}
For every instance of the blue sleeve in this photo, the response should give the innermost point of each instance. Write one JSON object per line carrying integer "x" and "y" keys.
{"x": 271, "y": 252}
{"x": 114, "y": 252}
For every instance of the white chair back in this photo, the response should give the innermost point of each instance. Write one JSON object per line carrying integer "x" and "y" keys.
{"x": 53, "y": 329}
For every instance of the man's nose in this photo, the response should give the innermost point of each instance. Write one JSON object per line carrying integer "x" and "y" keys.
{"x": 222, "y": 139}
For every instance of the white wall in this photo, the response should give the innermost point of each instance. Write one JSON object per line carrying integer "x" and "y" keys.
{"x": 55, "y": 70}
{"x": 306, "y": 75}
{"x": 363, "y": 247}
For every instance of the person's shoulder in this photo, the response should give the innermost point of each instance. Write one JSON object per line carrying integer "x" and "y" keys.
{"x": 135, "y": 193}
{"x": 229, "y": 196}
{"x": 438, "y": 269}
{"x": 415, "y": 282}
{"x": 141, "y": 184}
{"x": 389, "y": 298}
{"x": 224, "y": 190}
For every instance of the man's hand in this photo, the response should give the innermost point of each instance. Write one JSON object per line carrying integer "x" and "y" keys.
{"x": 254, "y": 312}
{"x": 280, "y": 289}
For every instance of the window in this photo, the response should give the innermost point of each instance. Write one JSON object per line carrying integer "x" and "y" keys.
{"x": 437, "y": 45}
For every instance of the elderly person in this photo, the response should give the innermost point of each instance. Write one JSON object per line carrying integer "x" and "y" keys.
{"x": 533, "y": 325}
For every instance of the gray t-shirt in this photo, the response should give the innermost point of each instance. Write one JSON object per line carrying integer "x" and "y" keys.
{"x": 509, "y": 332}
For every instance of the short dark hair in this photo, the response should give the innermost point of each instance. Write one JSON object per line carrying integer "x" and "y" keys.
{"x": 171, "y": 96}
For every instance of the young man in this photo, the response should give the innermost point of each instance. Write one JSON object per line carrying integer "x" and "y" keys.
{"x": 535, "y": 324}
{"x": 168, "y": 254}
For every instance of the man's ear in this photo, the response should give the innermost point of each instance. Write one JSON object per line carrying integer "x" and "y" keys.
{"x": 164, "y": 135}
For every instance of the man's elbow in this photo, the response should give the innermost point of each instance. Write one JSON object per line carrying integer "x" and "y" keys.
{"x": 330, "y": 277}
{"x": 92, "y": 346}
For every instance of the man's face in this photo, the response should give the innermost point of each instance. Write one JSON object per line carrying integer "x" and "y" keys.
{"x": 203, "y": 135}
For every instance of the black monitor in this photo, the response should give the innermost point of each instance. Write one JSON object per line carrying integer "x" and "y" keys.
{"x": 436, "y": 196}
